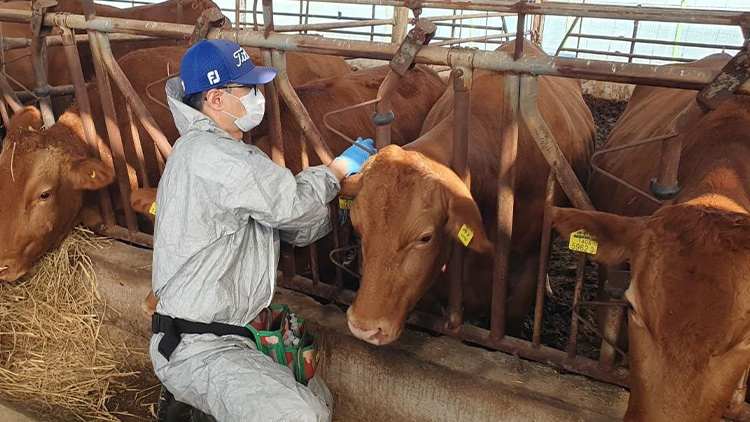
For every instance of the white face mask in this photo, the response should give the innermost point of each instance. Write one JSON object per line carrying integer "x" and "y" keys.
{"x": 255, "y": 108}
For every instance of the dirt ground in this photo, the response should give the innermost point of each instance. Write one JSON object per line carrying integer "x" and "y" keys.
{"x": 558, "y": 311}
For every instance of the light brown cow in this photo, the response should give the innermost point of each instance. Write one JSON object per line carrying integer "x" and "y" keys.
{"x": 410, "y": 205}
{"x": 43, "y": 176}
{"x": 21, "y": 71}
{"x": 688, "y": 328}
{"x": 32, "y": 240}
{"x": 412, "y": 102}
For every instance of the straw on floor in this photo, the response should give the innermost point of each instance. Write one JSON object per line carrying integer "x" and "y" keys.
{"x": 54, "y": 357}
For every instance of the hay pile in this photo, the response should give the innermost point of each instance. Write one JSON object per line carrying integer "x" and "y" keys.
{"x": 54, "y": 357}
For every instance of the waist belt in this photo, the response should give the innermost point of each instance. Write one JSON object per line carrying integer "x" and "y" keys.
{"x": 173, "y": 328}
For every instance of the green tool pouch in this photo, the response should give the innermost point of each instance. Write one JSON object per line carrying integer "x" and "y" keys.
{"x": 283, "y": 337}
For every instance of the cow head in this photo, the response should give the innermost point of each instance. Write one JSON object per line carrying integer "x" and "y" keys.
{"x": 42, "y": 176}
{"x": 408, "y": 210}
{"x": 689, "y": 322}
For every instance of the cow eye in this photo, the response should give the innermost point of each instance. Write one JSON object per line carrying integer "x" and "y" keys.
{"x": 44, "y": 195}
{"x": 425, "y": 238}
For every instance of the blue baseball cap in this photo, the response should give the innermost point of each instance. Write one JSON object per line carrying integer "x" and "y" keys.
{"x": 214, "y": 63}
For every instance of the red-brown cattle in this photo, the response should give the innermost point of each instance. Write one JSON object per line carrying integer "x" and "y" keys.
{"x": 688, "y": 329}
{"x": 410, "y": 205}
{"x": 43, "y": 176}
{"x": 411, "y": 104}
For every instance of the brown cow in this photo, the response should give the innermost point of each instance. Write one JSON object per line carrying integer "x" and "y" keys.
{"x": 688, "y": 328}
{"x": 21, "y": 71}
{"x": 410, "y": 205}
{"x": 31, "y": 237}
{"x": 412, "y": 102}
{"x": 44, "y": 175}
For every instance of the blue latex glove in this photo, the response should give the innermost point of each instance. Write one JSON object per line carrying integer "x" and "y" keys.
{"x": 355, "y": 156}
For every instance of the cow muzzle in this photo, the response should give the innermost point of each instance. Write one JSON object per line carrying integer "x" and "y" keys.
{"x": 380, "y": 335}
{"x": 10, "y": 273}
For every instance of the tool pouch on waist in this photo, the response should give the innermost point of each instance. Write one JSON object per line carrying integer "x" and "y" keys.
{"x": 271, "y": 327}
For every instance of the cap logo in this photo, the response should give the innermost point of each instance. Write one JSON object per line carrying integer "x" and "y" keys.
{"x": 241, "y": 56}
{"x": 213, "y": 77}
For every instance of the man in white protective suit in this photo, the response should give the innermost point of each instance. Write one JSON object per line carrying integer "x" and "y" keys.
{"x": 222, "y": 208}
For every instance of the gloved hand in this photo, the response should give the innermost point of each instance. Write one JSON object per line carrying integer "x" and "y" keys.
{"x": 355, "y": 156}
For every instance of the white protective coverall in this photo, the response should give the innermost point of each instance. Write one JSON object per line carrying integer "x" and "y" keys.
{"x": 222, "y": 208}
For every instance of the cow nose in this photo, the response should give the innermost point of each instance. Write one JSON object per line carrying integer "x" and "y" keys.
{"x": 370, "y": 336}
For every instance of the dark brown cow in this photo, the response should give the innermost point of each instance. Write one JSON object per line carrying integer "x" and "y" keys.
{"x": 43, "y": 176}
{"x": 21, "y": 71}
{"x": 410, "y": 205}
{"x": 688, "y": 329}
{"x": 411, "y": 103}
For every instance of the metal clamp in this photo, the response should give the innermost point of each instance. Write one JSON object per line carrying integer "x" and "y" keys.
{"x": 383, "y": 119}
{"x": 418, "y": 36}
{"x": 731, "y": 77}
{"x": 38, "y": 9}
{"x": 211, "y": 18}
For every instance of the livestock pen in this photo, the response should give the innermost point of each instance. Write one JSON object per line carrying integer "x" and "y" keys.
{"x": 403, "y": 41}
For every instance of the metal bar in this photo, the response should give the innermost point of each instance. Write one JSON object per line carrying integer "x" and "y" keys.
{"x": 549, "y": 202}
{"x": 470, "y": 39}
{"x": 537, "y": 25}
{"x": 3, "y": 104}
{"x": 96, "y": 144}
{"x": 635, "y": 39}
{"x": 668, "y": 76}
{"x": 383, "y": 107}
{"x": 110, "y": 120}
{"x": 631, "y": 56}
{"x": 509, "y": 117}
{"x": 132, "y": 96}
{"x": 577, "y": 293}
{"x": 136, "y": 139}
{"x": 462, "y": 78}
{"x": 39, "y": 67}
{"x": 567, "y": 35}
{"x": 14, "y": 43}
{"x": 610, "y": 336}
{"x": 298, "y": 109}
{"x": 524, "y": 349}
{"x": 9, "y": 96}
{"x": 401, "y": 21}
{"x": 653, "y": 14}
{"x": 333, "y": 25}
{"x": 276, "y": 135}
{"x": 56, "y": 91}
{"x": 549, "y": 147}
{"x": 117, "y": 232}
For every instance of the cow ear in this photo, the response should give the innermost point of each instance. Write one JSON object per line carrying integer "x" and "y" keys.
{"x": 616, "y": 237}
{"x": 25, "y": 118}
{"x": 464, "y": 219}
{"x": 142, "y": 200}
{"x": 89, "y": 173}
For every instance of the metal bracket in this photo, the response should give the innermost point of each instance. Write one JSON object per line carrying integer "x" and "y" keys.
{"x": 211, "y": 18}
{"x": 38, "y": 9}
{"x": 267, "y": 18}
{"x": 383, "y": 119}
{"x": 731, "y": 77}
{"x": 416, "y": 8}
{"x": 418, "y": 36}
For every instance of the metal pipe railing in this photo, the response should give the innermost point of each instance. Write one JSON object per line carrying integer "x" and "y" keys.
{"x": 674, "y": 77}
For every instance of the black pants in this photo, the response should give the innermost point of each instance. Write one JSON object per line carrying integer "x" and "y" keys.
{"x": 171, "y": 410}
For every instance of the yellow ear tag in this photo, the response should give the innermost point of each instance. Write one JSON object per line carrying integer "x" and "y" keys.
{"x": 152, "y": 210}
{"x": 345, "y": 203}
{"x": 93, "y": 174}
{"x": 465, "y": 235}
{"x": 581, "y": 241}
{"x": 31, "y": 129}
